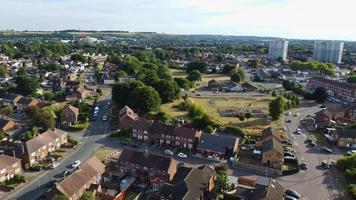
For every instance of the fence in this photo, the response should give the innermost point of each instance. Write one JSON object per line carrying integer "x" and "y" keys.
{"x": 259, "y": 168}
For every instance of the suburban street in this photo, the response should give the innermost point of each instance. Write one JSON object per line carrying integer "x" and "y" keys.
{"x": 92, "y": 139}
{"x": 313, "y": 183}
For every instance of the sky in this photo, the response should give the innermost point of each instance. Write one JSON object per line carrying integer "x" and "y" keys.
{"x": 298, "y": 19}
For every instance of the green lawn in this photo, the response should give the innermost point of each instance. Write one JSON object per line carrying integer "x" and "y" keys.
{"x": 124, "y": 135}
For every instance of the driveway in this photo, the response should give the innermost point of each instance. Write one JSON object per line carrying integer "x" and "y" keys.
{"x": 93, "y": 136}
{"x": 313, "y": 183}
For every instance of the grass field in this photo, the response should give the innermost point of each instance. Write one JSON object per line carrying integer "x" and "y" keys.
{"x": 213, "y": 104}
{"x": 101, "y": 154}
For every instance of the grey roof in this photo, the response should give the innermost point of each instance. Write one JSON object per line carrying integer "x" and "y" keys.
{"x": 272, "y": 143}
{"x": 24, "y": 101}
{"x": 188, "y": 183}
{"x": 217, "y": 143}
{"x": 268, "y": 188}
{"x": 3, "y": 122}
{"x": 346, "y": 133}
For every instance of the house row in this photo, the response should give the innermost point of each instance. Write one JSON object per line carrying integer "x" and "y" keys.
{"x": 9, "y": 166}
{"x": 216, "y": 146}
{"x": 337, "y": 113}
{"x": 19, "y": 102}
{"x": 340, "y": 90}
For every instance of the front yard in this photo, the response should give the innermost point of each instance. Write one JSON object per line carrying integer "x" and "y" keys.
{"x": 13, "y": 182}
{"x": 124, "y": 134}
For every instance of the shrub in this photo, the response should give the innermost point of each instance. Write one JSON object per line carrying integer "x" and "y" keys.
{"x": 235, "y": 130}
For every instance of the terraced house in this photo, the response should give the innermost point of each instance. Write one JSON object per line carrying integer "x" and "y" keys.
{"x": 38, "y": 147}
{"x": 159, "y": 132}
{"x": 9, "y": 166}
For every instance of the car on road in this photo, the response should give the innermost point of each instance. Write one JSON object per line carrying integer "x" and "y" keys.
{"x": 349, "y": 153}
{"x": 76, "y": 164}
{"x": 288, "y": 121}
{"x": 299, "y": 131}
{"x": 291, "y": 158}
{"x": 182, "y": 155}
{"x": 51, "y": 183}
{"x": 168, "y": 152}
{"x": 296, "y": 114}
{"x": 325, "y": 164}
{"x": 327, "y": 150}
{"x": 285, "y": 141}
{"x": 288, "y": 154}
{"x": 105, "y": 118}
{"x": 293, "y": 193}
{"x": 53, "y": 165}
{"x": 309, "y": 140}
{"x": 287, "y": 197}
{"x": 303, "y": 166}
{"x": 288, "y": 113}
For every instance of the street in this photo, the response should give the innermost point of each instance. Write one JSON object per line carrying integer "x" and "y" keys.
{"x": 93, "y": 138}
{"x": 312, "y": 183}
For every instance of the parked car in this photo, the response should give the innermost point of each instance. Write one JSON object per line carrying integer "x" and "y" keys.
{"x": 293, "y": 193}
{"x": 289, "y": 158}
{"x": 287, "y": 197}
{"x": 51, "y": 183}
{"x": 309, "y": 140}
{"x": 298, "y": 131}
{"x": 303, "y": 166}
{"x": 289, "y": 154}
{"x": 288, "y": 121}
{"x": 168, "y": 152}
{"x": 313, "y": 144}
{"x": 285, "y": 141}
{"x": 53, "y": 165}
{"x": 182, "y": 155}
{"x": 67, "y": 172}
{"x": 76, "y": 164}
{"x": 349, "y": 153}
{"x": 96, "y": 109}
{"x": 325, "y": 164}
{"x": 296, "y": 114}
{"x": 105, "y": 118}
{"x": 327, "y": 150}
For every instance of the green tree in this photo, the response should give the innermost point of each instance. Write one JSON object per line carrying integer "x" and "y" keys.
{"x": 32, "y": 111}
{"x": 167, "y": 90}
{"x": 3, "y": 71}
{"x": 144, "y": 99}
{"x": 242, "y": 73}
{"x": 320, "y": 95}
{"x": 59, "y": 197}
{"x": 26, "y": 85}
{"x": 194, "y": 75}
{"x": 228, "y": 68}
{"x": 7, "y": 110}
{"x": 48, "y": 96}
{"x": 276, "y": 107}
{"x": 201, "y": 66}
{"x": 253, "y": 63}
{"x": 221, "y": 181}
{"x": 236, "y": 77}
{"x": 118, "y": 74}
{"x": 352, "y": 78}
{"x": 183, "y": 82}
{"x": 45, "y": 120}
{"x": 78, "y": 57}
{"x": 120, "y": 94}
{"x": 2, "y": 135}
{"x": 87, "y": 195}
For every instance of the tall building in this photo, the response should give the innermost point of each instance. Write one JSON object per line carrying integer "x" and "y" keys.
{"x": 328, "y": 51}
{"x": 278, "y": 49}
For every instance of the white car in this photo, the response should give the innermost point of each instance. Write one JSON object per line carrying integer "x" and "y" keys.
{"x": 76, "y": 164}
{"x": 96, "y": 109}
{"x": 182, "y": 155}
{"x": 168, "y": 152}
{"x": 296, "y": 114}
{"x": 54, "y": 165}
{"x": 299, "y": 131}
{"x": 105, "y": 118}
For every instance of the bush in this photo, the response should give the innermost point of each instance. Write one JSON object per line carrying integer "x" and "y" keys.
{"x": 80, "y": 126}
{"x": 235, "y": 130}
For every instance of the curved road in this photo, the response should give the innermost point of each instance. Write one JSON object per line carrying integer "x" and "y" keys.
{"x": 93, "y": 138}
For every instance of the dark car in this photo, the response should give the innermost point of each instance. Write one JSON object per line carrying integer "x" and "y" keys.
{"x": 288, "y": 154}
{"x": 303, "y": 166}
{"x": 292, "y": 193}
{"x": 287, "y": 197}
{"x": 288, "y": 121}
{"x": 327, "y": 150}
{"x": 313, "y": 144}
{"x": 51, "y": 183}
{"x": 309, "y": 140}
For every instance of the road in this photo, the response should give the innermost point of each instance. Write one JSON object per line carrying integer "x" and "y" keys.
{"x": 312, "y": 183}
{"x": 93, "y": 139}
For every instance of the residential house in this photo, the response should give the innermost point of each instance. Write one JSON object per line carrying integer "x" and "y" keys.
{"x": 333, "y": 114}
{"x": 9, "y": 166}
{"x": 231, "y": 86}
{"x": 140, "y": 130}
{"x": 57, "y": 84}
{"x": 189, "y": 183}
{"x": 81, "y": 93}
{"x": 75, "y": 184}
{"x": 264, "y": 75}
{"x": 38, "y": 147}
{"x": 10, "y": 99}
{"x": 345, "y": 138}
{"x": 217, "y": 146}
{"x": 25, "y": 102}
{"x": 214, "y": 85}
{"x": 7, "y": 125}
{"x": 127, "y": 117}
{"x": 69, "y": 116}
{"x": 272, "y": 153}
{"x": 339, "y": 90}
{"x": 147, "y": 168}
{"x": 108, "y": 79}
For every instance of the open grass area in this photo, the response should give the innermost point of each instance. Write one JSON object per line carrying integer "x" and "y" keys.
{"x": 217, "y": 77}
{"x": 101, "y": 154}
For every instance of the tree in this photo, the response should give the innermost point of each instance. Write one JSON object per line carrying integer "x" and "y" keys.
{"x": 87, "y": 195}
{"x": 274, "y": 93}
{"x": 167, "y": 90}
{"x": 276, "y": 107}
{"x": 7, "y": 110}
{"x": 352, "y": 78}
{"x": 228, "y": 68}
{"x": 45, "y": 120}
{"x": 32, "y": 111}
{"x": 253, "y": 63}
{"x": 48, "y": 96}
{"x": 120, "y": 94}
{"x": 26, "y": 85}
{"x": 183, "y": 82}
{"x": 242, "y": 73}
{"x": 2, "y": 136}
{"x": 320, "y": 95}
{"x": 201, "y": 66}
{"x": 59, "y": 197}
{"x": 221, "y": 181}
{"x": 3, "y": 71}
{"x": 144, "y": 99}
{"x": 236, "y": 77}
{"x": 194, "y": 75}
{"x": 78, "y": 57}
{"x": 118, "y": 74}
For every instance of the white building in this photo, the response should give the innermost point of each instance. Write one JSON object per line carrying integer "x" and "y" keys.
{"x": 278, "y": 49}
{"x": 328, "y": 51}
